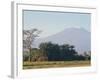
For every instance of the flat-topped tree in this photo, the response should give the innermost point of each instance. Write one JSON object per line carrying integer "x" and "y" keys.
{"x": 28, "y": 39}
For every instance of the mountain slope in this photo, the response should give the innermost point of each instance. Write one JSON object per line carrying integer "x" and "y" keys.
{"x": 78, "y": 37}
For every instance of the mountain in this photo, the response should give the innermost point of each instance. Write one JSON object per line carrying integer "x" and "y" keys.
{"x": 78, "y": 37}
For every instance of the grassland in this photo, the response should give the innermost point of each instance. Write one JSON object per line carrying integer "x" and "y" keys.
{"x": 53, "y": 64}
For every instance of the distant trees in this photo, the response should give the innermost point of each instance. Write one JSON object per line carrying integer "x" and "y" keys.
{"x": 53, "y": 52}
{"x": 28, "y": 39}
{"x": 67, "y": 52}
{"x": 49, "y": 51}
{"x": 84, "y": 56}
{"x": 87, "y": 55}
{"x": 38, "y": 55}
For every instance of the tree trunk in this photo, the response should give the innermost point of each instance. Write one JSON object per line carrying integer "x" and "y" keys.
{"x": 30, "y": 55}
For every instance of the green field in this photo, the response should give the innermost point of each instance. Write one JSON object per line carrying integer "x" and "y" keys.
{"x": 52, "y": 64}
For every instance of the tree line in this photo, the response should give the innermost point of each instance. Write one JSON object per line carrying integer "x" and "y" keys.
{"x": 49, "y": 51}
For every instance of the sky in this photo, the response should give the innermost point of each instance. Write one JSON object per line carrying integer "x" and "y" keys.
{"x": 53, "y": 22}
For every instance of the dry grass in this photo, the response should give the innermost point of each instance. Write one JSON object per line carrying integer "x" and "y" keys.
{"x": 52, "y": 64}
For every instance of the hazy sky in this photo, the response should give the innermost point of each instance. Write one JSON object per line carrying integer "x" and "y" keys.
{"x": 53, "y": 22}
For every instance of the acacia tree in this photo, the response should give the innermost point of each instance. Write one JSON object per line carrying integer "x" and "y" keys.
{"x": 28, "y": 39}
{"x": 87, "y": 55}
